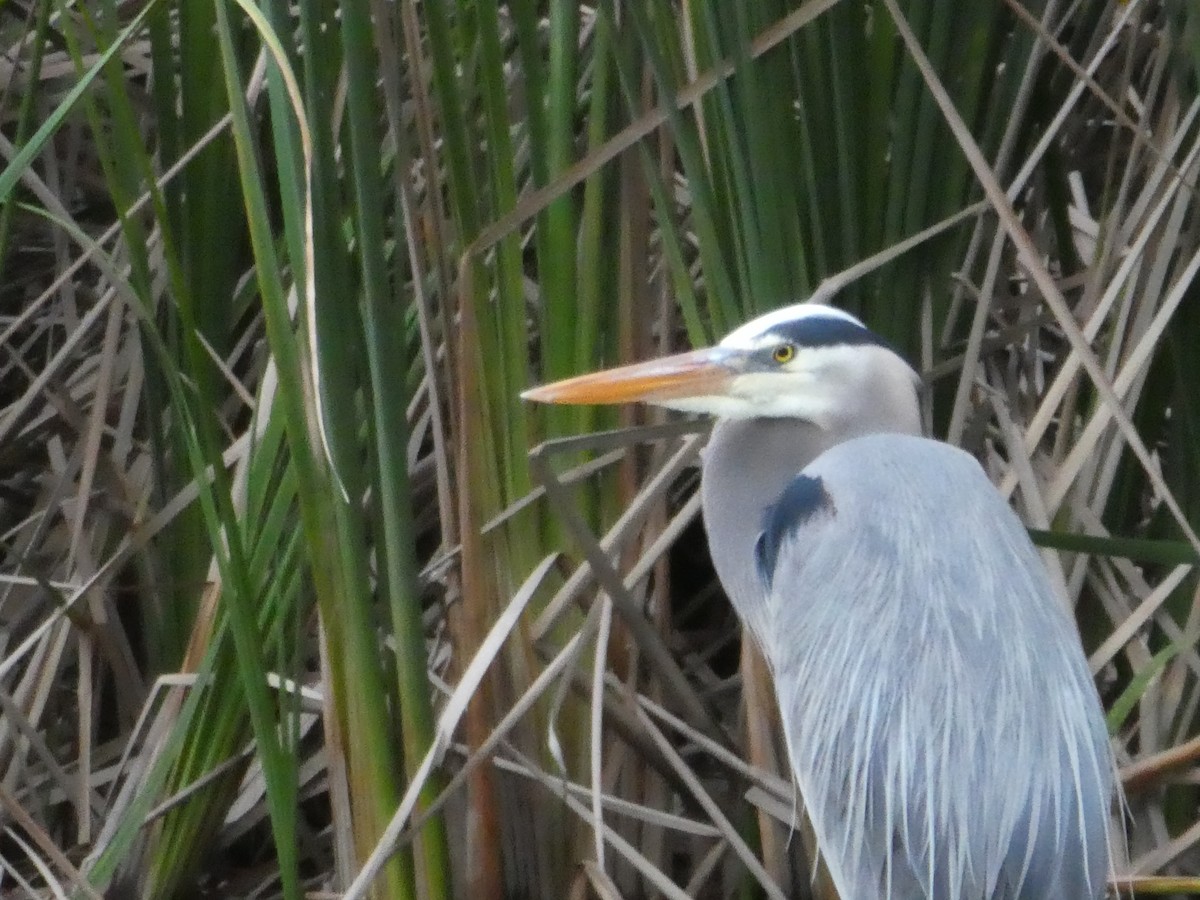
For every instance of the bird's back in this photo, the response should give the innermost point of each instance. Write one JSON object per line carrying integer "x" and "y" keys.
{"x": 942, "y": 723}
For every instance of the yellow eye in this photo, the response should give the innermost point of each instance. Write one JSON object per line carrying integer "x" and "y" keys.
{"x": 784, "y": 353}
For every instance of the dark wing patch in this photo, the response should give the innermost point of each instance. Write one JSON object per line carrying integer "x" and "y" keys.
{"x": 827, "y": 331}
{"x": 800, "y": 501}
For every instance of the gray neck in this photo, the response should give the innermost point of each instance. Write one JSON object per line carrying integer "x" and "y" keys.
{"x": 747, "y": 464}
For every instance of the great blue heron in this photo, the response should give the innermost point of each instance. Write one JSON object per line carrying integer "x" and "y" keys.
{"x": 943, "y": 729}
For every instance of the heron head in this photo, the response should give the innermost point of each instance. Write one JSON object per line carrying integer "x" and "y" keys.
{"x": 806, "y": 361}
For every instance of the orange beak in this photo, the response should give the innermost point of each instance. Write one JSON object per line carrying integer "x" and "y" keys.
{"x": 694, "y": 374}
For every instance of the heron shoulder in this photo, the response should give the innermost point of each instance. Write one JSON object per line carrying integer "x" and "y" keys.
{"x": 880, "y": 480}
{"x": 802, "y": 499}
{"x": 884, "y": 465}
{"x": 903, "y": 506}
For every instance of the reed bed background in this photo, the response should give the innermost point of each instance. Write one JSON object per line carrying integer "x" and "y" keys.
{"x": 297, "y": 598}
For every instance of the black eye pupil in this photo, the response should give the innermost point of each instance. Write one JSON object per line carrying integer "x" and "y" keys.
{"x": 784, "y": 352}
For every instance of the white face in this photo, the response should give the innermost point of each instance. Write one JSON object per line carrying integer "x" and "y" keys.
{"x": 828, "y": 373}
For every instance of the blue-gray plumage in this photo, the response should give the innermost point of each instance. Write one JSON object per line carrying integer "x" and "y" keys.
{"x": 939, "y": 710}
{"x": 941, "y": 723}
